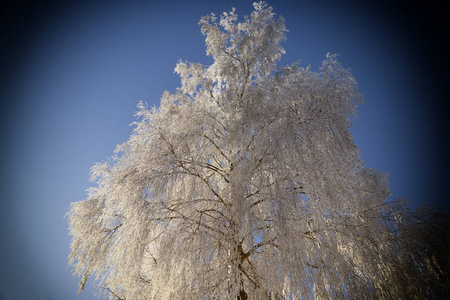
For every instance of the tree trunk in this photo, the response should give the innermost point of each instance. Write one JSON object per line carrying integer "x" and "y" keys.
{"x": 242, "y": 295}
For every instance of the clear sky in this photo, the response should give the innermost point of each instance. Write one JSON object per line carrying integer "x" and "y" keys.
{"x": 72, "y": 75}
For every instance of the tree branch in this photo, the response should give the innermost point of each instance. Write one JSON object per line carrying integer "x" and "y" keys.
{"x": 217, "y": 147}
{"x": 199, "y": 223}
{"x": 114, "y": 294}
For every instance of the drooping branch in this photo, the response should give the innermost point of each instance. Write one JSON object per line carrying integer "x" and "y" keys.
{"x": 114, "y": 294}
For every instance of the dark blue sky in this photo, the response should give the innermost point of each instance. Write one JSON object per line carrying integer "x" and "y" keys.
{"x": 72, "y": 75}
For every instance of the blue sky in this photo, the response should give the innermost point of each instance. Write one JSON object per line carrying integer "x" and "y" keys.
{"x": 72, "y": 75}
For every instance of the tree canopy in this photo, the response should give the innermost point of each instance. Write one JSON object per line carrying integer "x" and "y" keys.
{"x": 246, "y": 184}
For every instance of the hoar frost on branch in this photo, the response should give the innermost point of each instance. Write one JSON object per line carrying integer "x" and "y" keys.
{"x": 246, "y": 184}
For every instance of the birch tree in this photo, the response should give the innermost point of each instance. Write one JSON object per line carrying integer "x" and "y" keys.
{"x": 246, "y": 184}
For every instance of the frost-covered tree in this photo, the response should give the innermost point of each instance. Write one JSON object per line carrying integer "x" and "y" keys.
{"x": 246, "y": 184}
